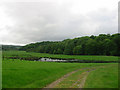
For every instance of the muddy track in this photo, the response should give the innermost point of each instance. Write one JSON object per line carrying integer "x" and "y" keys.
{"x": 81, "y": 85}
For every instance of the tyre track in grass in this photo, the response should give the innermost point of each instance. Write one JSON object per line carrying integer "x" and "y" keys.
{"x": 53, "y": 84}
{"x": 80, "y": 82}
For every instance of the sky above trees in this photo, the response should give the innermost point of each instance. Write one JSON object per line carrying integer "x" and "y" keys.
{"x": 23, "y": 21}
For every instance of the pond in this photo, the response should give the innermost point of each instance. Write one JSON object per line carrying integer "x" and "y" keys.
{"x": 73, "y": 61}
{"x": 46, "y": 59}
{"x": 55, "y": 60}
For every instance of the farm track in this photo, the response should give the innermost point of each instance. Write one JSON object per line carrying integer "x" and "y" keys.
{"x": 79, "y": 83}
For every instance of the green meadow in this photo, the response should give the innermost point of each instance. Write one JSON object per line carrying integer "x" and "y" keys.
{"x": 79, "y": 57}
{"x": 18, "y": 73}
{"x": 106, "y": 77}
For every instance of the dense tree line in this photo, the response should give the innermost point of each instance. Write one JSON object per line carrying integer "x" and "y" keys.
{"x": 104, "y": 44}
{"x": 10, "y": 47}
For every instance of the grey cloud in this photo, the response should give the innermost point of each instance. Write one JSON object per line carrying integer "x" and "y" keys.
{"x": 51, "y": 21}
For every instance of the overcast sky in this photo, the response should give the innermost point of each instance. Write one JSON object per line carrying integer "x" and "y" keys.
{"x": 26, "y": 21}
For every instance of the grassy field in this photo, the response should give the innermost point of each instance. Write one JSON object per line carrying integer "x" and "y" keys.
{"x": 100, "y": 77}
{"x": 79, "y": 57}
{"x": 106, "y": 77}
{"x": 35, "y": 74}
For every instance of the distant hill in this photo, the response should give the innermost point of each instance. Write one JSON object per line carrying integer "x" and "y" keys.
{"x": 104, "y": 44}
{"x": 10, "y": 47}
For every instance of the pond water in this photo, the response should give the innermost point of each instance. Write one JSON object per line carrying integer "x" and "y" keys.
{"x": 54, "y": 60}
{"x": 73, "y": 61}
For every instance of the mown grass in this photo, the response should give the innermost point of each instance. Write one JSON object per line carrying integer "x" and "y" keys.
{"x": 106, "y": 77}
{"x": 34, "y": 74}
{"x": 79, "y": 57}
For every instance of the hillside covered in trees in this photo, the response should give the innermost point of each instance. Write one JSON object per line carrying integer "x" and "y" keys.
{"x": 104, "y": 44}
{"x": 10, "y": 47}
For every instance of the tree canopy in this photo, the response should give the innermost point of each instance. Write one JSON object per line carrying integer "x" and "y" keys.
{"x": 103, "y": 44}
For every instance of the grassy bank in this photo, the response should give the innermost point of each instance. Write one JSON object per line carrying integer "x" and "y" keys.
{"x": 39, "y": 55}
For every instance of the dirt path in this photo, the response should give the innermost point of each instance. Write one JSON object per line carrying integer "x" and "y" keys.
{"x": 79, "y": 83}
{"x": 59, "y": 80}
{"x": 53, "y": 84}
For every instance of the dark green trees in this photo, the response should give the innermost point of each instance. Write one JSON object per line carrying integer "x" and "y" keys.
{"x": 91, "y": 47}
{"x": 116, "y": 40}
{"x": 69, "y": 47}
{"x": 104, "y": 44}
{"x": 78, "y": 50}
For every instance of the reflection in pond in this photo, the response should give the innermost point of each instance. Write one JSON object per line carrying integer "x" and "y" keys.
{"x": 54, "y": 60}
{"x": 59, "y": 60}
{"x": 73, "y": 61}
